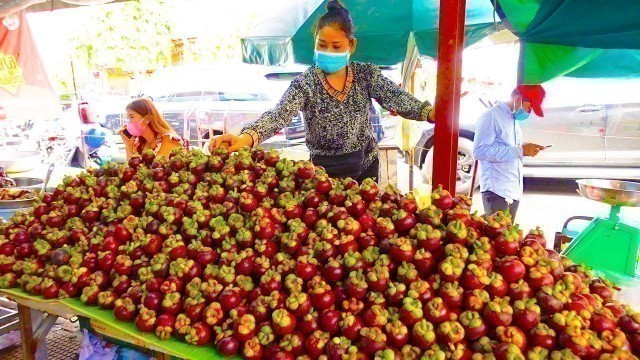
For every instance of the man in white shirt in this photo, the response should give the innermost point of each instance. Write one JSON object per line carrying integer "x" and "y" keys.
{"x": 499, "y": 149}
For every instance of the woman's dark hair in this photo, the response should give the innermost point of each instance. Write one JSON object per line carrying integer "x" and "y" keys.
{"x": 336, "y": 15}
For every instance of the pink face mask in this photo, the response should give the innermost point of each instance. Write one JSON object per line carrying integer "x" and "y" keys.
{"x": 135, "y": 128}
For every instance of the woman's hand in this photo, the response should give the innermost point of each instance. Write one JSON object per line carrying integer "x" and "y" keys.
{"x": 233, "y": 142}
{"x": 128, "y": 143}
{"x": 431, "y": 117}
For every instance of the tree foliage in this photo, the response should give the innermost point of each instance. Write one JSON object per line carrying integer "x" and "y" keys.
{"x": 132, "y": 35}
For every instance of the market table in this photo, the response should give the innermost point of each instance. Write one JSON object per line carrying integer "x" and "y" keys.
{"x": 37, "y": 316}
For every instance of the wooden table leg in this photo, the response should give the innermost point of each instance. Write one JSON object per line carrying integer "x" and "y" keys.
{"x": 26, "y": 332}
{"x": 162, "y": 356}
{"x": 34, "y": 346}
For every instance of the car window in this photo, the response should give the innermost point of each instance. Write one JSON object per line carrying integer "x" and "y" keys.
{"x": 187, "y": 96}
{"x": 211, "y": 96}
{"x": 164, "y": 98}
{"x": 234, "y": 96}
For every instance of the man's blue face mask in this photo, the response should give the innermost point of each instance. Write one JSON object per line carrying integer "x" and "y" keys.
{"x": 520, "y": 114}
{"x": 331, "y": 62}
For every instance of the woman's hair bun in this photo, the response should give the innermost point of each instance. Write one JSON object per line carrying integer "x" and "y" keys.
{"x": 335, "y": 5}
{"x": 336, "y": 15}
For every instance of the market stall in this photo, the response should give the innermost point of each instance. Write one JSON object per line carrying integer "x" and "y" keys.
{"x": 257, "y": 256}
{"x": 185, "y": 256}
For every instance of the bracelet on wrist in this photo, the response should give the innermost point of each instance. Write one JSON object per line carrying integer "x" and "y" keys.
{"x": 255, "y": 140}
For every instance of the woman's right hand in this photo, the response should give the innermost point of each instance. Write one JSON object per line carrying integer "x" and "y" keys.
{"x": 233, "y": 142}
{"x": 128, "y": 142}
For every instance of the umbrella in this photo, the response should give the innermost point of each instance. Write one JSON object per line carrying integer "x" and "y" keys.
{"x": 385, "y": 30}
{"x": 25, "y": 89}
{"x": 13, "y": 6}
{"x": 574, "y": 38}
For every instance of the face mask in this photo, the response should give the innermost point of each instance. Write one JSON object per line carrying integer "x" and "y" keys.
{"x": 520, "y": 115}
{"x": 331, "y": 62}
{"x": 135, "y": 128}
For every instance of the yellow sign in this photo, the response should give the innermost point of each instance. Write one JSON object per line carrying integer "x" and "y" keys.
{"x": 11, "y": 77}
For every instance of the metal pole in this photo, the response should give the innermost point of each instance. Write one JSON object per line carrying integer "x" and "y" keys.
{"x": 411, "y": 160}
{"x": 473, "y": 179}
{"x": 73, "y": 77}
{"x": 412, "y": 150}
{"x": 450, "y": 46}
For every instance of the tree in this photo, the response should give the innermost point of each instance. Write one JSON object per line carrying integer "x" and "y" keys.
{"x": 132, "y": 35}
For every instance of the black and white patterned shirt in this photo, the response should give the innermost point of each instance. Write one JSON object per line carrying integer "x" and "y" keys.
{"x": 337, "y": 122}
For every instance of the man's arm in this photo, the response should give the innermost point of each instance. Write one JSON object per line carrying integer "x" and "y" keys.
{"x": 484, "y": 147}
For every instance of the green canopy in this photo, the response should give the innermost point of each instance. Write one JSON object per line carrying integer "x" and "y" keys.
{"x": 384, "y": 29}
{"x": 577, "y": 38}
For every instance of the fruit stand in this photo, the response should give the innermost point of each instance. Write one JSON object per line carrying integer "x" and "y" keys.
{"x": 34, "y": 328}
{"x": 260, "y": 257}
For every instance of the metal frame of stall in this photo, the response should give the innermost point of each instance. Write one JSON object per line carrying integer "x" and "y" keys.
{"x": 448, "y": 85}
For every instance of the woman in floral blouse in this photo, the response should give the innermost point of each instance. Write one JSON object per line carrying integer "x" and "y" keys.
{"x": 335, "y": 98}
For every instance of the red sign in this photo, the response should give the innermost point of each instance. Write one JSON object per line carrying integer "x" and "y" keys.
{"x": 25, "y": 89}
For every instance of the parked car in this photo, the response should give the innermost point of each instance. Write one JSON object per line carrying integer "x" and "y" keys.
{"x": 207, "y": 94}
{"x": 232, "y": 111}
{"x": 96, "y": 107}
{"x": 593, "y": 126}
{"x": 222, "y": 98}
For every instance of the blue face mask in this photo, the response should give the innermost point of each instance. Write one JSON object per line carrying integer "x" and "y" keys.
{"x": 521, "y": 115}
{"x": 331, "y": 62}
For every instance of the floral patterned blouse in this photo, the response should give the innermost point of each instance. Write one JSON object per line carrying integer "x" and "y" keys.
{"x": 337, "y": 122}
{"x": 139, "y": 142}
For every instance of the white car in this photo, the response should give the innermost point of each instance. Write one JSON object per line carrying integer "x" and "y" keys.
{"x": 223, "y": 98}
